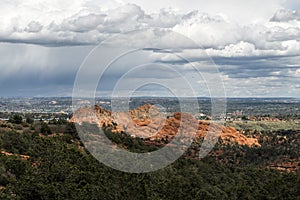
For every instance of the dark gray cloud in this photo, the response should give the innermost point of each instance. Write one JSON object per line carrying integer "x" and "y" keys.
{"x": 284, "y": 15}
{"x": 34, "y": 27}
{"x": 35, "y": 70}
{"x": 42, "y": 46}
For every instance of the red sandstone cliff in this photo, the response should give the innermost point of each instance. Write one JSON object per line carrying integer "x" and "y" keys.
{"x": 147, "y": 122}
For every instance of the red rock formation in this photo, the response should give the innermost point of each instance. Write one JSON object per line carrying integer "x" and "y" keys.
{"x": 147, "y": 122}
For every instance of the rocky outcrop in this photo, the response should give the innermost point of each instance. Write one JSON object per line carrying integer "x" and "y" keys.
{"x": 23, "y": 157}
{"x": 231, "y": 135}
{"x": 147, "y": 122}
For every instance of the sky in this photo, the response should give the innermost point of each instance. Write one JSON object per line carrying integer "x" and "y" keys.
{"x": 249, "y": 48}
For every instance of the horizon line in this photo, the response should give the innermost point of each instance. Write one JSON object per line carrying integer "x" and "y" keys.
{"x": 206, "y": 97}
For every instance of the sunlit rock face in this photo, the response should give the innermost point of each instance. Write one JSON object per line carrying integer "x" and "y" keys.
{"x": 148, "y": 122}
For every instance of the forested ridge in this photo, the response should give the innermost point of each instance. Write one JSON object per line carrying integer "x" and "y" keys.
{"x": 48, "y": 161}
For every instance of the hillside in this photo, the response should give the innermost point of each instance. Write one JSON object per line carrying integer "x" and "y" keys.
{"x": 38, "y": 165}
{"x": 148, "y": 122}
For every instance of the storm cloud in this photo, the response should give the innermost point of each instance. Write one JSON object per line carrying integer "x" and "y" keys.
{"x": 43, "y": 43}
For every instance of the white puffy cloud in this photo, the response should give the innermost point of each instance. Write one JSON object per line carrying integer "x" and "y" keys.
{"x": 208, "y": 30}
{"x": 252, "y": 42}
{"x": 87, "y": 22}
{"x": 234, "y": 10}
{"x": 90, "y": 22}
{"x": 245, "y": 49}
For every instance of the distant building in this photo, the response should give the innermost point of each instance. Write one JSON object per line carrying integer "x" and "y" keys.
{"x": 238, "y": 113}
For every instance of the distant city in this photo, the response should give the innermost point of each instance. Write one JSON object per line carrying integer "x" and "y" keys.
{"x": 61, "y": 107}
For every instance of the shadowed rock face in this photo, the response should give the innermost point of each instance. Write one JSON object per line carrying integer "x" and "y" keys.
{"x": 148, "y": 122}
